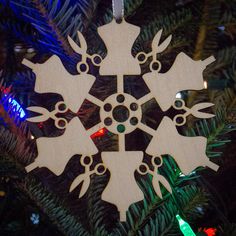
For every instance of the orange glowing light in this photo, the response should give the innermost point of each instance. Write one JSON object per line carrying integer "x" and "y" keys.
{"x": 99, "y": 133}
{"x": 210, "y": 231}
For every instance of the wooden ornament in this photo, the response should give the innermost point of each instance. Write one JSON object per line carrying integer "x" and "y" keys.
{"x": 122, "y": 189}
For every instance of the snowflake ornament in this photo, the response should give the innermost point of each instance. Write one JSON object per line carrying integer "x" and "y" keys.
{"x": 122, "y": 189}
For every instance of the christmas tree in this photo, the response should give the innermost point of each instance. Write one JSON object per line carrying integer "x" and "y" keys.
{"x": 39, "y": 202}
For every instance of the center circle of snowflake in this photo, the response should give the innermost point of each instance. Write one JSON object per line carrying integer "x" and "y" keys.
{"x": 121, "y": 113}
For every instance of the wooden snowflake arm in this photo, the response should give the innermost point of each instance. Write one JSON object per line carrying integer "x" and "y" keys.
{"x": 51, "y": 77}
{"x": 188, "y": 152}
{"x": 185, "y": 74}
{"x": 55, "y": 152}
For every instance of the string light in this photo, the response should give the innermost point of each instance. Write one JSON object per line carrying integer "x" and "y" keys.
{"x": 34, "y": 218}
{"x": 16, "y": 107}
{"x": 210, "y": 231}
{"x": 185, "y": 227}
{"x": 99, "y": 133}
{"x": 178, "y": 95}
{"x": 12, "y": 102}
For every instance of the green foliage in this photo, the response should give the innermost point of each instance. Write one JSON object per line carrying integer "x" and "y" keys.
{"x": 213, "y": 130}
{"x": 53, "y": 207}
{"x": 97, "y": 212}
{"x": 157, "y": 217}
{"x": 169, "y": 24}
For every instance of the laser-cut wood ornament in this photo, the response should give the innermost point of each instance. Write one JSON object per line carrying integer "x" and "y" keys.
{"x": 122, "y": 189}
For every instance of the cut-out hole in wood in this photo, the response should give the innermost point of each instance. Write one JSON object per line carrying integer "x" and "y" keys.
{"x": 107, "y": 107}
{"x": 134, "y": 121}
{"x": 120, "y": 113}
{"x": 121, "y": 128}
{"x": 120, "y": 98}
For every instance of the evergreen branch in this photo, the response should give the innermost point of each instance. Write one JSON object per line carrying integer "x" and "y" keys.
{"x": 211, "y": 8}
{"x": 228, "y": 17}
{"x": 87, "y": 15}
{"x": 9, "y": 114}
{"x": 51, "y": 23}
{"x": 96, "y": 211}
{"x": 23, "y": 31}
{"x": 9, "y": 168}
{"x": 210, "y": 45}
{"x": 176, "y": 45}
{"x": 168, "y": 23}
{"x": 220, "y": 75}
{"x": 229, "y": 75}
{"x": 159, "y": 215}
{"x": 131, "y": 6}
{"x": 201, "y": 38}
{"x": 17, "y": 147}
{"x": 14, "y": 135}
{"x": 52, "y": 206}
{"x": 39, "y": 7}
{"x": 224, "y": 58}
{"x": 213, "y": 129}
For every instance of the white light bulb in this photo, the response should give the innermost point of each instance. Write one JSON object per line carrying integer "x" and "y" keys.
{"x": 178, "y": 95}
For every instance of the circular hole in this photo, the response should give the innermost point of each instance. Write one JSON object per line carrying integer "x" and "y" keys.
{"x": 62, "y": 107}
{"x": 155, "y": 65}
{"x": 120, "y": 113}
{"x": 134, "y": 106}
{"x": 178, "y": 103}
{"x": 121, "y": 128}
{"x": 141, "y": 57}
{"x": 143, "y": 168}
{"x": 120, "y": 98}
{"x": 179, "y": 120}
{"x": 97, "y": 59}
{"x": 101, "y": 169}
{"x": 157, "y": 161}
{"x": 83, "y": 67}
{"x": 134, "y": 121}
{"x": 107, "y": 107}
{"x": 108, "y": 121}
{"x": 62, "y": 123}
{"x": 87, "y": 160}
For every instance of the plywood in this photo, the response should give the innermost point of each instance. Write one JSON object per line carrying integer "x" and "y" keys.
{"x": 121, "y": 114}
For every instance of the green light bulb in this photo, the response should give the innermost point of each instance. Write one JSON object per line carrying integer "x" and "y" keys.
{"x": 185, "y": 227}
